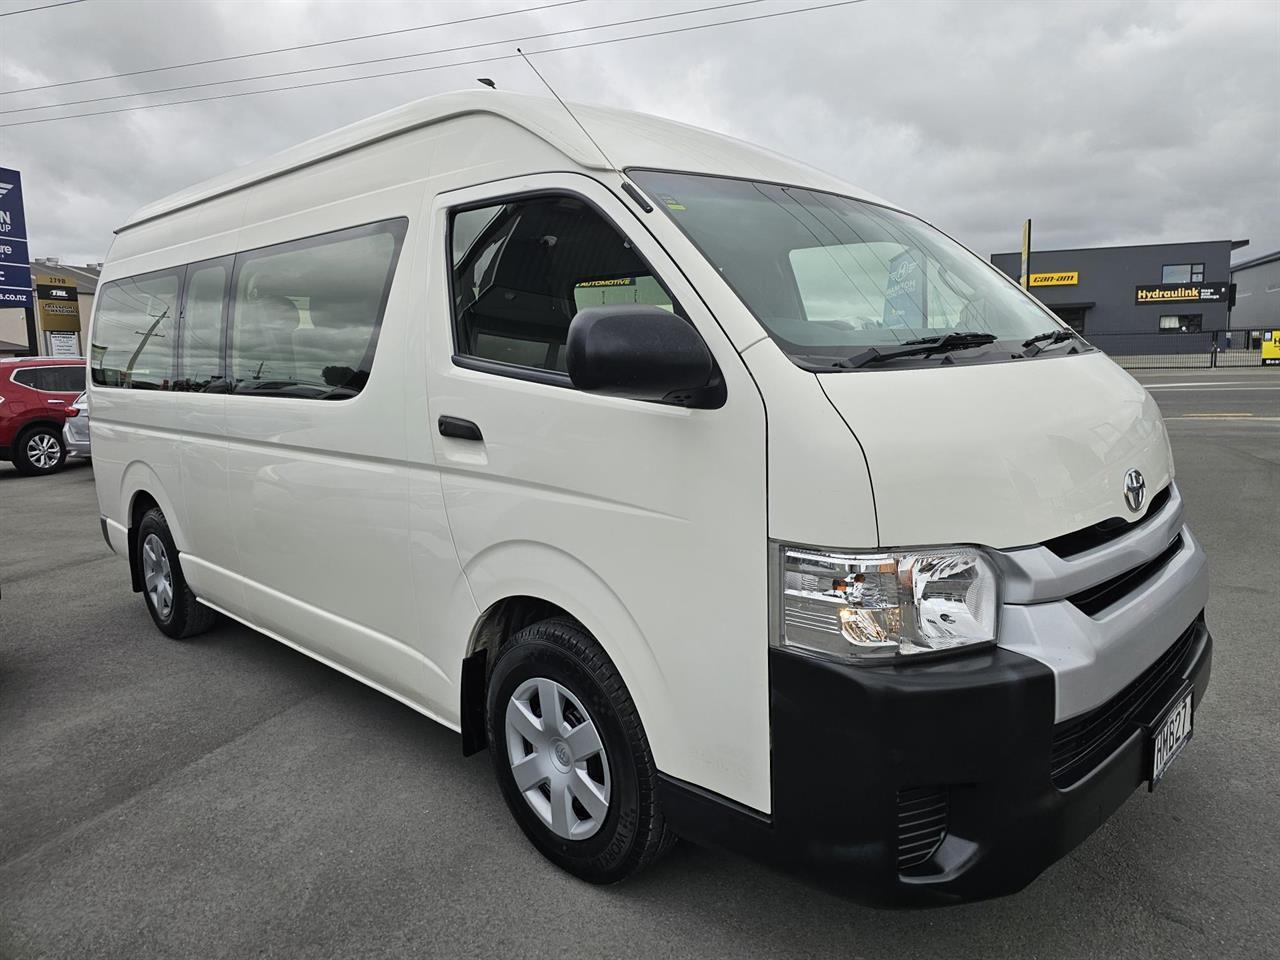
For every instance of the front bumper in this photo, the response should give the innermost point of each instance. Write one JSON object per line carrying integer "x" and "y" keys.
{"x": 852, "y": 745}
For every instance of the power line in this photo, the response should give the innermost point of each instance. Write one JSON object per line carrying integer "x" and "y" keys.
{"x": 264, "y": 53}
{"x": 442, "y": 66}
{"x": 365, "y": 63}
{"x": 47, "y": 6}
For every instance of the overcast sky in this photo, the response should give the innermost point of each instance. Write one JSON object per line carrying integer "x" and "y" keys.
{"x": 1105, "y": 123}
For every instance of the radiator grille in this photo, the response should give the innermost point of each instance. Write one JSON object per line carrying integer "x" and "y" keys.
{"x": 922, "y": 824}
{"x": 1081, "y": 743}
{"x": 1096, "y": 599}
{"x": 1070, "y": 544}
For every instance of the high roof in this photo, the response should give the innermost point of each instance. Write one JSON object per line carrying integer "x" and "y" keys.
{"x": 630, "y": 140}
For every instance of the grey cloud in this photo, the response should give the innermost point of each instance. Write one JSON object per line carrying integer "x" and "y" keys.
{"x": 1104, "y": 122}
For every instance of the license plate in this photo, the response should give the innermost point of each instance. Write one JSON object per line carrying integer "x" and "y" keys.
{"x": 1170, "y": 734}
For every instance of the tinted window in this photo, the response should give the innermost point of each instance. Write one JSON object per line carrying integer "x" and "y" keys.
{"x": 1176, "y": 273}
{"x": 306, "y": 314}
{"x": 27, "y": 376}
{"x": 133, "y": 332}
{"x": 200, "y": 336}
{"x": 521, "y": 270}
{"x": 1185, "y": 323}
{"x": 61, "y": 379}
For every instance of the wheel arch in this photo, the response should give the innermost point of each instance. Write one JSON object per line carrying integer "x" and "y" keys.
{"x": 518, "y": 583}
{"x": 54, "y": 425}
{"x": 140, "y": 490}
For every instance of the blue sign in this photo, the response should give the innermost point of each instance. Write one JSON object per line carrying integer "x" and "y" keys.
{"x": 15, "y": 267}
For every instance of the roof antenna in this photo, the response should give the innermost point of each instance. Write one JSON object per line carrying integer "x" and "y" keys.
{"x": 526, "y": 59}
{"x": 487, "y": 82}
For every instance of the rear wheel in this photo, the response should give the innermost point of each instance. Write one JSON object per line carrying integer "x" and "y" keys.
{"x": 172, "y": 604}
{"x": 38, "y": 451}
{"x": 571, "y": 755}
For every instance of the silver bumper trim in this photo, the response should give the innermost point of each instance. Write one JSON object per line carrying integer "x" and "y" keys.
{"x": 1094, "y": 658}
{"x": 1036, "y": 574}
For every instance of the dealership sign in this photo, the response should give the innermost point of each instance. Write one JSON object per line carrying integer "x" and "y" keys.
{"x": 15, "y": 267}
{"x": 1069, "y": 279}
{"x": 1181, "y": 293}
{"x": 906, "y": 302}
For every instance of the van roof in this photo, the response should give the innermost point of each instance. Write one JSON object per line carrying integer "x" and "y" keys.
{"x": 630, "y": 139}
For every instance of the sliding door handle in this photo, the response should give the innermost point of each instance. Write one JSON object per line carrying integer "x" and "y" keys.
{"x": 459, "y": 429}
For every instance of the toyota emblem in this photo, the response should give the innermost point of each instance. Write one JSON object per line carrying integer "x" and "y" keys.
{"x": 1135, "y": 490}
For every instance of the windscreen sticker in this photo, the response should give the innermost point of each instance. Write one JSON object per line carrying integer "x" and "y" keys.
{"x": 613, "y": 282}
{"x": 671, "y": 202}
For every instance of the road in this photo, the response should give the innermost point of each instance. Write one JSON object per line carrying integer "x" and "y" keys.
{"x": 227, "y": 797}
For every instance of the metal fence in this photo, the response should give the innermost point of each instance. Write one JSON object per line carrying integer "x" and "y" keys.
{"x": 1154, "y": 351}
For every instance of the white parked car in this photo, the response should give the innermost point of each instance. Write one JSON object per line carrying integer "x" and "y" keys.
{"x": 75, "y": 429}
{"x": 582, "y": 457}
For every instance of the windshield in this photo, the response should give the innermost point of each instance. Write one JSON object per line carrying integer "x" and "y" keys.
{"x": 829, "y": 277}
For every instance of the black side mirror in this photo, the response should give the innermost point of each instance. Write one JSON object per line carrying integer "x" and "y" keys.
{"x": 642, "y": 353}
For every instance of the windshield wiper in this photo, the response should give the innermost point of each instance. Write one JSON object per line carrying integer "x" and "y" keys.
{"x": 924, "y": 347}
{"x": 1048, "y": 338}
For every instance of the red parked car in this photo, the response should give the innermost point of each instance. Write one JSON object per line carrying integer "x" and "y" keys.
{"x": 34, "y": 394}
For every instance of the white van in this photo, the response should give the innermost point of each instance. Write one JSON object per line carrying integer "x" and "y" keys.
{"x": 716, "y": 497}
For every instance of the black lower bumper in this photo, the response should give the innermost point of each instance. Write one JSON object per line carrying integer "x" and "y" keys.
{"x": 854, "y": 749}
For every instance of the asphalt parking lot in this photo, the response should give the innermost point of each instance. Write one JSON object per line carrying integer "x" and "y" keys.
{"x": 228, "y": 797}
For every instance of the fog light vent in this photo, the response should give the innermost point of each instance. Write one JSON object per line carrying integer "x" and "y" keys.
{"x": 922, "y": 824}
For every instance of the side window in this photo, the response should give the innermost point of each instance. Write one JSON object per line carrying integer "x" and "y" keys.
{"x": 200, "y": 333}
{"x": 133, "y": 343}
{"x": 522, "y": 269}
{"x": 305, "y": 315}
{"x": 64, "y": 378}
{"x": 28, "y": 377}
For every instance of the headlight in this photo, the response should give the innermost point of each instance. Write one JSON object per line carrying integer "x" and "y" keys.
{"x": 876, "y": 606}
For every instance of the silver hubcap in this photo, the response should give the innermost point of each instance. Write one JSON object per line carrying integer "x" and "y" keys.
{"x": 557, "y": 758}
{"x": 157, "y": 576}
{"x": 43, "y": 450}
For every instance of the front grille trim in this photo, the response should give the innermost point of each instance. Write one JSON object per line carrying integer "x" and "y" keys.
{"x": 1080, "y": 541}
{"x": 1082, "y": 742}
{"x": 1110, "y": 592}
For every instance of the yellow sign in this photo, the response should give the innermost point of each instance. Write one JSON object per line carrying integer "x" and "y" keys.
{"x": 1271, "y": 347}
{"x": 1055, "y": 279}
{"x": 57, "y": 305}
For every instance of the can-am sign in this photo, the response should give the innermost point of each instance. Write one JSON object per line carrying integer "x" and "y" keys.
{"x": 15, "y": 267}
{"x": 1181, "y": 293}
{"x": 1064, "y": 279}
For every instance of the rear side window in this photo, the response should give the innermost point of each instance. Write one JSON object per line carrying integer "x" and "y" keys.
{"x": 65, "y": 378}
{"x": 522, "y": 269}
{"x": 305, "y": 315}
{"x": 133, "y": 332}
{"x": 28, "y": 377}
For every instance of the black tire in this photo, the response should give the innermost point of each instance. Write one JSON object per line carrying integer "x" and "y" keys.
{"x": 48, "y": 437}
{"x": 633, "y": 833}
{"x": 184, "y": 616}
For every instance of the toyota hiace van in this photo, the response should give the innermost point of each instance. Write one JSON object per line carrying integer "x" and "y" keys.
{"x": 714, "y": 496}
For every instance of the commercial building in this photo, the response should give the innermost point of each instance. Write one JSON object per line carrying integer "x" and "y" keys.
{"x": 62, "y": 297}
{"x": 1122, "y": 298}
{"x": 1257, "y": 284}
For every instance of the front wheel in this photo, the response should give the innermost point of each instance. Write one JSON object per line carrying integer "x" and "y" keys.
{"x": 38, "y": 451}
{"x": 571, "y": 755}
